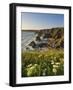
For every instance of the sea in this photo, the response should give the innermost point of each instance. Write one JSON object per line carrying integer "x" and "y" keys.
{"x": 26, "y": 38}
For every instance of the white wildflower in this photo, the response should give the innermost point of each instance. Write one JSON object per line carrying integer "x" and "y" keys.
{"x": 54, "y": 70}
{"x": 57, "y": 63}
{"x": 52, "y": 62}
{"x": 29, "y": 65}
{"x": 55, "y": 66}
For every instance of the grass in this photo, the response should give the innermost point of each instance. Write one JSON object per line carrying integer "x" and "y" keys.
{"x": 43, "y": 63}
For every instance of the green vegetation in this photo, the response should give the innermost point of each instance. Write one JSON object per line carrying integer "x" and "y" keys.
{"x": 43, "y": 63}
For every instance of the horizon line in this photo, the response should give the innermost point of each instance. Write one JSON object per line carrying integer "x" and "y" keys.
{"x": 41, "y": 28}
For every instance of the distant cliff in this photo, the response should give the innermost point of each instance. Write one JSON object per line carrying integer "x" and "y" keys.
{"x": 55, "y": 37}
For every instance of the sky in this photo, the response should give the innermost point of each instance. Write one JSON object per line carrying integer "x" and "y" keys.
{"x": 41, "y": 20}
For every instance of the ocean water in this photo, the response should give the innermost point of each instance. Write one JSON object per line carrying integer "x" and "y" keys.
{"x": 26, "y": 37}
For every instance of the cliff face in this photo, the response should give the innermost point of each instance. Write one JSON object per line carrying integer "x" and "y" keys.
{"x": 55, "y": 37}
{"x": 48, "y": 38}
